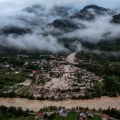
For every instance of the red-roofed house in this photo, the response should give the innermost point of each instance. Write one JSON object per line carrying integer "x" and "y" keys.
{"x": 90, "y": 113}
{"x": 39, "y": 115}
{"x": 83, "y": 114}
{"x": 104, "y": 117}
{"x": 33, "y": 72}
{"x": 37, "y": 76}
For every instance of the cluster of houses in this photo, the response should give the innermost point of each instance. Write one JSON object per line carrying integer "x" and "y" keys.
{"x": 88, "y": 78}
{"x": 39, "y": 74}
{"x": 49, "y": 68}
{"x": 60, "y": 72}
{"x": 11, "y": 69}
{"x": 24, "y": 56}
{"x": 83, "y": 115}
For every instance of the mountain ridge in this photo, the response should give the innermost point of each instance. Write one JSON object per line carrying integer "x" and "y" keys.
{"x": 87, "y": 14}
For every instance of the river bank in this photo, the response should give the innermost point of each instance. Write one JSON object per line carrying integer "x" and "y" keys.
{"x": 36, "y": 105}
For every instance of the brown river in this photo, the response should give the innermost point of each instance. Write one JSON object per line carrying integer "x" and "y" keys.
{"x": 35, "y": 105}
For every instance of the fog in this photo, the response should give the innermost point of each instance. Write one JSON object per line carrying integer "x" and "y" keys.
{"x": 19, "y": 14}
{"x": 94, "y": 31}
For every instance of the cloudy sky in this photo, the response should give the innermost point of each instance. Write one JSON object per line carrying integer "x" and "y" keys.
{"x": 8, "y": 5}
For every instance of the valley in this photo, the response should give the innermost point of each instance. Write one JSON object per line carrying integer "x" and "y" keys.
{"x": 52, "y": 80}
{"x": 59, "y": 60}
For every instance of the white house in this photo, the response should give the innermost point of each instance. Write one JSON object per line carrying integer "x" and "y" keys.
{"x": 63, "y": 112}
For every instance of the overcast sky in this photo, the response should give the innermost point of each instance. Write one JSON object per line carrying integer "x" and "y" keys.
{"x": 8, "y": 7}
{"x": 17, "y": 4}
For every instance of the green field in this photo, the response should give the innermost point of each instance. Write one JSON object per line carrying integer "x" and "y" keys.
{"x": 71, "y": 116}
{"x": 6, "y": 81}
{"x": 115, "y": 63}
{"x": 9, "y": 116}
{"x": 96, "y": 117}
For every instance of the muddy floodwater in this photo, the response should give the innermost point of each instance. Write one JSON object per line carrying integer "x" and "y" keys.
{"x": 35, "y": 105}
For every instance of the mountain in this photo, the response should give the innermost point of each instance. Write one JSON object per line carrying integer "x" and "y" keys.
{"x": 89, "y": 12}
{"x": 63, "y": 12}
{"x": 60, "y": 11}
{"x": 38, "y": 21}
{"x": 59, "y": 17}
{"x": 34, "y": 9}
{"x": 36, "y": 17}
{"x": 14, "y": 30}
{"x": 116, "y": 18}
{"x": 65, "y": 24}
{"x": 11, "y": 30}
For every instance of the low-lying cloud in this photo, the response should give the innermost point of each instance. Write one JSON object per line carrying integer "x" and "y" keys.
{"x": 29, "y": 16}
{"x": 32, "y": 42}
{"x": 14, "y": 13}
{"x": 94, "y": 31}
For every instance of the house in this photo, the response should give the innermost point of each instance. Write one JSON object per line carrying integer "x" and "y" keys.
{"x": 100, "y": 80}
{"x": 7, "y": 65}
{"x": 31, "y": 75}
{"x": 37, "y": 77}
{"x": 16, "y": 72}
{"x": 104, "y": 117}
{"x": 12, "y": 68}
{"x": 39, "y": 115}
{"x": 26, "y": 63}
{"x": 82, "y": 92}
{"x": 81, "y": 118}
{"x": 33, "y": 72}
{"x": 33, "y": 62}
{"x": 83, "y": 114}
{"x": 7, "y": 73}
{"x": 90, "y": 113}
{"x": 63, "y": 112}
{"x": 38, "y": 62}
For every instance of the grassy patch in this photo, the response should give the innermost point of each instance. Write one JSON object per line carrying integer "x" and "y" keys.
{"x": 6, "y": 81}
{"x": 99, "y": 86}
{"x": 115, "y": 63}
{"x": 30, "y": 117}
{"x": 116, "y": 78}
{"x": 96, "y": 117}
{"x": 24, "y": 91}
{"x": 71, "y": 116}
{"x": 10, "y": 116}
